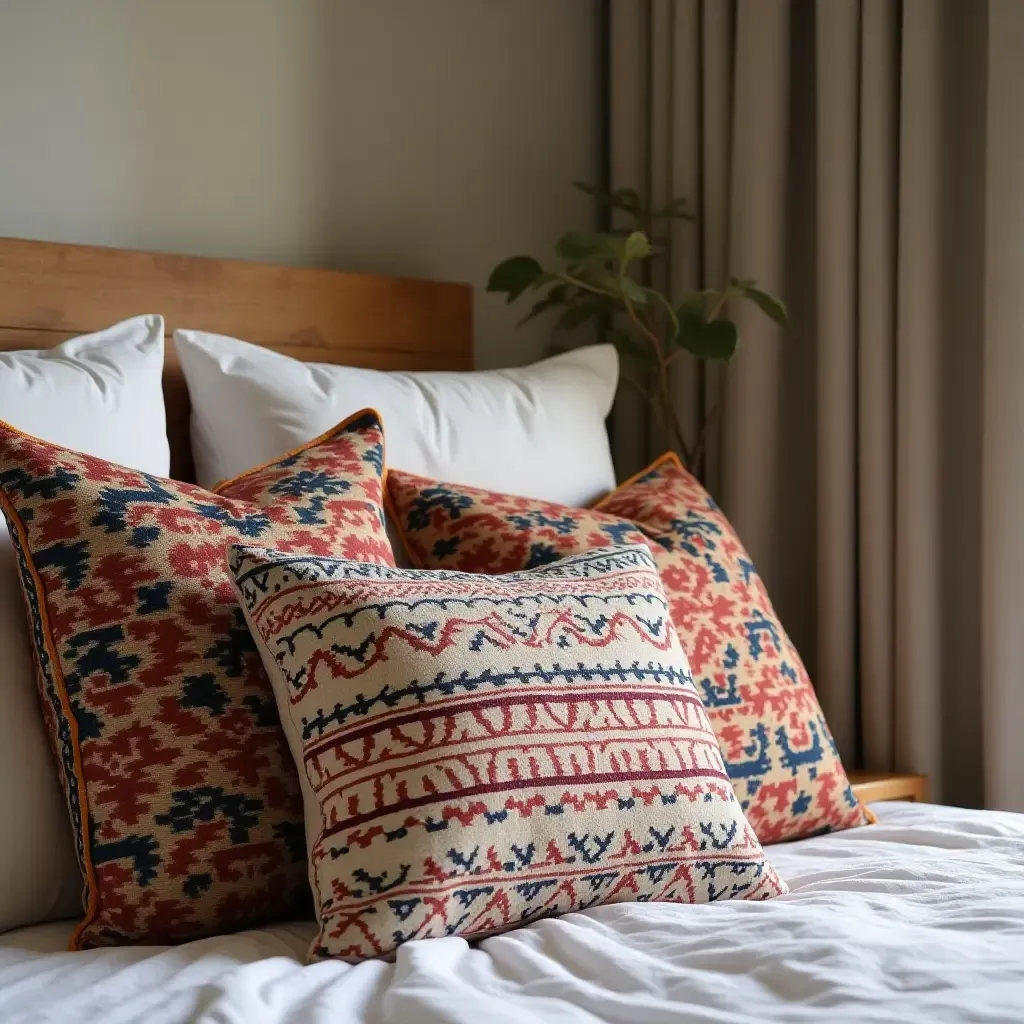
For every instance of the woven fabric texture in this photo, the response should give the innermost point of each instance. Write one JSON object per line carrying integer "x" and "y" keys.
{"x": 484, "y": 751}
{"x": 776, "y": 743}
{"x": 185, "y": 802}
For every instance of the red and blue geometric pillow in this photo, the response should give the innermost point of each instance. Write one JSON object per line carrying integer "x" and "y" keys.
{"x": 777, "y": 747}
{"x": 484, "y": 751}
{"x": 185, "y": 803}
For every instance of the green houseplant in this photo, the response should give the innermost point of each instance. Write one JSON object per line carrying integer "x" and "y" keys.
{"x": 603, "y": 278}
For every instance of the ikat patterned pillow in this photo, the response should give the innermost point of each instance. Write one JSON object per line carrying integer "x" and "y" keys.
{"x": 485, "y": 751}
{"x": 777, "y": 746}
{"x": 184, "y": 799}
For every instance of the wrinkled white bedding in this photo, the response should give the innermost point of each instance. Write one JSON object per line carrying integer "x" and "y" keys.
{"x": 918, "y": 918}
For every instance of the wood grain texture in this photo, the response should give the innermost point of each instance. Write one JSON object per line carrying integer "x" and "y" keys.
{"x": 50, "y": 291}
{"x": 871, "y": 786}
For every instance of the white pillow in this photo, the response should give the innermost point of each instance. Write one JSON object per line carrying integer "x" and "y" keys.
{"x": 100, "y": 394}
{"x": 536, "y": 431}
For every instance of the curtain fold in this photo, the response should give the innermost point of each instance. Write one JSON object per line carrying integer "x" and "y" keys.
{"x": 864, "y": 159}
{"x": 1002, "y": 298}
{"x": 876, "y": 205}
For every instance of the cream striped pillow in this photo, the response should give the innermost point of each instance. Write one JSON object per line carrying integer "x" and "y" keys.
{"x": 483, "y": 751}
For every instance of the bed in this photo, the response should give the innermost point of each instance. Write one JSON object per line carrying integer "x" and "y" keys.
{"x": 919, "y": 917}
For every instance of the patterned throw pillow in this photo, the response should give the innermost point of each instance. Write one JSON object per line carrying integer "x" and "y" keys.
{"x": 777, "y": 747}
{"x": 185, "y": 803}
{"x": 449, "y": 526}
{"x": 485, "y": 751}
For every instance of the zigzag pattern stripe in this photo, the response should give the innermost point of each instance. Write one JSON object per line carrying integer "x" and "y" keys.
{"x": 515, "y": 784}
{"x": 486, "y": 630}
{"x": 412, "y": 593}
{"x": 548, "y": 876}
{"x": 536, "y": 805}
{"x": 590, "y": 566}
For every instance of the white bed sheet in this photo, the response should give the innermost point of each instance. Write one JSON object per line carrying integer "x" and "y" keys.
{"x": 919, "y": 918}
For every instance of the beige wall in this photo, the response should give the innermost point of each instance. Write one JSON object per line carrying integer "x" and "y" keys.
{"x": 424, "y": 137}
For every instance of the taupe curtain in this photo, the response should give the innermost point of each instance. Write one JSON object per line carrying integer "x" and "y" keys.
{"x": 864, "y": 159}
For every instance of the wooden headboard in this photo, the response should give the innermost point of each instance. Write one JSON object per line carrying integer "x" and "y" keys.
{"x": 50, "y": 291}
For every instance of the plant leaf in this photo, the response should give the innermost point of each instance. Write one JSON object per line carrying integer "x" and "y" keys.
{"x": 678, "y": 209}
{"x": 637, "y": 247}
{"x": 576, "y": 316}
{"x": 715, "y": 340}
{"x": 773, "y": 308}
{"x": 513, "y": 276}
{"x": 636, "y": 293}
{"x": 599, "y": 277}
{"x": 627, "y": 199}
{"x": 555, "y": 297}
{"x": 690, "y": 317}
{"x": 576, "y": 246}
{"x": 547, "y": 277}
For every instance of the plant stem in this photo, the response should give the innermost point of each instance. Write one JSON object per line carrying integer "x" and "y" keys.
{"x": 673, "y": 318}
{"x": 570, "y": 279}
{"x": 720, "y": 304}
{"x": 700, "y": 445}
{"x": 668, "y": 415}
{"x": 663, "y": 401}
{"x": 646, "y": 331}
